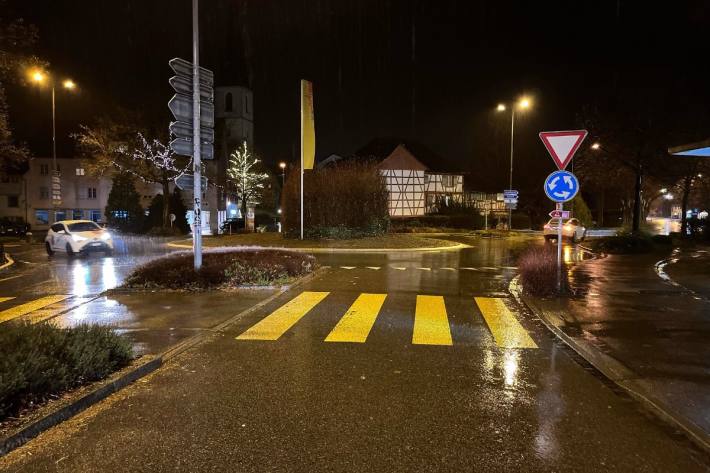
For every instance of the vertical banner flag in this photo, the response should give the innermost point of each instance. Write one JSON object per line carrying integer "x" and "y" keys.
{"x": 308, "y": 130}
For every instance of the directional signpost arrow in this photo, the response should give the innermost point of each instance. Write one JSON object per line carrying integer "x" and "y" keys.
{"x": 184, "y": 147}
{"x": 562, "y": 145}
{"x": 563, "y": 214}
{"x": 181, "y": 106}
{"x": 184, "y": 130}
{"x": 187, "y": 182}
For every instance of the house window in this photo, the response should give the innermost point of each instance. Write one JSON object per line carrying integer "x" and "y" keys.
{"x": 44, "y": 169}
{"x": 42, "y": 217}
{"x": 60, "y": 215}
{"x": 44, "y": 193}
{"x": 120, "y": 214}
{"x": 13, "y": 201}
{"x": 95, "y": 215}
{"x": 228, "y": 102}
{"x": 91, "y": 193}
{"x": 447, "y": 181}
{"x": 77, "y": 214}
{"x": 79, "y": 171}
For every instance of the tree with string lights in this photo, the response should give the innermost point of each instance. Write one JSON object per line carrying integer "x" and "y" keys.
{"x": 110, "y": 146}
{"x": 245, "y": 177}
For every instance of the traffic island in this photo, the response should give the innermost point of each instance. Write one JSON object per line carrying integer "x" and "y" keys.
{"x": 384, "y": 243}
{"x": 222, "y": 269}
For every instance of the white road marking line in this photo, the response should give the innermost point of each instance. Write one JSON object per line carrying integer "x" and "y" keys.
{"x": 373, "y": 267}
{"x": 348, "y": 267}
{"x": 425, "y": 269}
{"x": 448, "y": 269}
{"x": 470, "y": 269}
{"x": 399, "y": 268}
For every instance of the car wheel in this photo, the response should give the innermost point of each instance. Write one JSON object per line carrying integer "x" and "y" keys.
{"x": 49, "y": 249}
{"x": 70, "y": 252}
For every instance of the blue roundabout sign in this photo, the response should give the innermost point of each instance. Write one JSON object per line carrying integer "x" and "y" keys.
{"x": 561, "y": 186}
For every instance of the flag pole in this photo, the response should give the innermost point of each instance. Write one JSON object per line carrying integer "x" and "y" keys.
{"x": 301, "y": 93}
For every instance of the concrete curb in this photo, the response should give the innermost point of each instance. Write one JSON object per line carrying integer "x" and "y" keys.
{"x": 456, "y": 247}
{"x": 622, "y": 376}
{"x": 27, "y": 432}
{"x": 8, "y": 263}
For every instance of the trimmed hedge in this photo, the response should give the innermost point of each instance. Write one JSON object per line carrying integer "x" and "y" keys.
{"x": 221, "y": 269}
{"x": 39, "y": 361}
{"x": 347, "y": 200}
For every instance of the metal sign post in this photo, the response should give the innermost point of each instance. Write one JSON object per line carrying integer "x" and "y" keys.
{"x": 561, "y": 186}
{"x": 197, "y": 162}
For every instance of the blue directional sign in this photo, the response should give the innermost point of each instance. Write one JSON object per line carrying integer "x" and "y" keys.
{"x": 561, "y": 186}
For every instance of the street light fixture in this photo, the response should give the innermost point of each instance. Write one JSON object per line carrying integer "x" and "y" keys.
{"x": 596, "y": 146}
{"x": 523, "y": 104}
{"x": 282, "y": 165}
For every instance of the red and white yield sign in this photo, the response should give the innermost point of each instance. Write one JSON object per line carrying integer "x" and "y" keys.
{"x": 562, "y": 145}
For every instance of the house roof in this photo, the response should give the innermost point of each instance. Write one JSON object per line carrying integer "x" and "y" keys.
{"x": 402, "y": 158}
{"x": 382, "y": 149}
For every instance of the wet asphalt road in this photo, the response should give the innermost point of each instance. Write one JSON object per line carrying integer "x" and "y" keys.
{"x": 407, "y": 398}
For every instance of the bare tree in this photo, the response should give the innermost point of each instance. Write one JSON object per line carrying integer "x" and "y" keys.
{"x": 245, "y": 177}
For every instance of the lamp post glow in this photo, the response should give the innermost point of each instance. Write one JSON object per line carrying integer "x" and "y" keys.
{"x": 523, "y": 104}
{"x": 282, "y": 165}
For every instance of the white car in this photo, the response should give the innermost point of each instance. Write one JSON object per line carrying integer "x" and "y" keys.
{"x": 572, "y": 230}
{"x": 78, "y": 236}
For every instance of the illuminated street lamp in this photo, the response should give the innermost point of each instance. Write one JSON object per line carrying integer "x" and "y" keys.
{"x": 523, "y": 104}
{"x": 282, "y": 165}
{"x": 596, "y": 146}
{"x": 40, "y": 77}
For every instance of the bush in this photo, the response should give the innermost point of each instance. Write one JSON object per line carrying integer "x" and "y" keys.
{"x": 343, "y": 201}
{"x": 471, "y": 221}
{"x": 221, "y": 269}
{"x": 538, "y": 271}
{"x": 41, "y": 360}
{"x": 623, "y": 244}
{"x": 123, "y": 208}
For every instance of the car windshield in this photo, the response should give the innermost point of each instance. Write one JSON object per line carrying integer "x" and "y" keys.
{"x": 83, "y": 227}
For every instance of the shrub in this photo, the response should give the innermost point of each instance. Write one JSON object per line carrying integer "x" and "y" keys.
{"x": 123, "y": 208}
{"x": 538, "y": 271}
{"x": 41, "y": 360}
{"x": 625, "y": 243}
{"x": 343, "y": 201}
{"x": 221, "y": 269}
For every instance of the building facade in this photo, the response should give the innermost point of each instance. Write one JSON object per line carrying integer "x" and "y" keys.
{"x": 27, "y": 196}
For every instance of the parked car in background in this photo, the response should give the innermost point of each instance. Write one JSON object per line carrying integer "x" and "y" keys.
{"x": 13, "y": 228}
{"x": 572, "y": 230}
{"x": 78, "y": 236}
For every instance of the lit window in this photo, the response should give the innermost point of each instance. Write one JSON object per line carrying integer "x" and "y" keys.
{"x": 79, "y": 171}
{"x": 95, "y": 215}
{"x": 42, "y": 217}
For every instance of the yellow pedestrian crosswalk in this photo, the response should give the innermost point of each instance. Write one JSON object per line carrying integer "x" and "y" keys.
{"x": 431, "y": 320}
{"x": 431, "y": 324}
{"x": 29, "y": 307}
{"x": 505, "y": 328}
{"x": 276, "y": 324}
{"x": 355, "y": 325}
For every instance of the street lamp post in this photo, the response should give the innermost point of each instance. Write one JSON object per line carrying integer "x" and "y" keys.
{"x": 282, "y": 165}
{"x": 39, "y": 78}
{"x": 523, "y": 103}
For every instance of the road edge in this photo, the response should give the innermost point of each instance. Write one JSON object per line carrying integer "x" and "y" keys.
{"x": 617, "y": 372}
{"x": 28, "y": 432}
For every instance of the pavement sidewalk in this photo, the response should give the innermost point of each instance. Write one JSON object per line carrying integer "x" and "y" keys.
{"x": 646, "y": 334}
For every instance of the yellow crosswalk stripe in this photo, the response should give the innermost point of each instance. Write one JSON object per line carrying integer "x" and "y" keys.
{"x": 357, "y": 322}
{"x": 285, "y": 317}
{"x": 431, "y": 324}
{"x": 506, "y": 330}
{"x": 5, "y": 299}
{"x": 24, "y": 309}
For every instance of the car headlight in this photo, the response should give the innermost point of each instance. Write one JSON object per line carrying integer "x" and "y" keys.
{"x": 76, "y": 237}
{"x": 105, "y": 236}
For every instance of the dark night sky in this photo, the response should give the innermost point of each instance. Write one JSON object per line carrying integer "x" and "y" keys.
{"x": 469, "y": 55}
